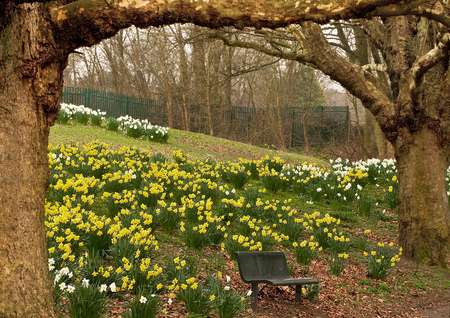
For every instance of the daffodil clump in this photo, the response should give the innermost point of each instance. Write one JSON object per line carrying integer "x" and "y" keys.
{"x": 226, "y": 302}
{"x": 381, "y": 260}
{"x": 273, "y": 180}
{"x": 80, "y": 113}
{"x": 390, "y": 194}
{"x": 235, "y": 173}
{"x": 323, "y": 228}
{"x": 306, "y": 251}
{"x": 195, "y": 296}
{"x": 337, "y": 263}
{"x": 144, "y": 304}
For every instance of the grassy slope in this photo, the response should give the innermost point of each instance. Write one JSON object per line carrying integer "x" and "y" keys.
{"x": 351, "y": 295}
{"x": 196, "y": 145}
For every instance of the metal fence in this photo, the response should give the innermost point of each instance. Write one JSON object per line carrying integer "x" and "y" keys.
{"x": 324, "y": 124}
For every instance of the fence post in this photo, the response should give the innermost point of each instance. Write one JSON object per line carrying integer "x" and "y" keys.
{"x": 128, "y": 105}
{"x": 321, "y": 126}
{"x": 349, "y": 127}
{"x": 88, "y": 98}
{"x": 293, "y": 128}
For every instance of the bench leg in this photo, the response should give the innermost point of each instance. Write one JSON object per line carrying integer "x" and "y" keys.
{"x": 254, "y": 296}
{"x": 298, "y": 293}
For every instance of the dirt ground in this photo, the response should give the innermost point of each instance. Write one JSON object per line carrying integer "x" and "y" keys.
{"x": 443, "y": 312}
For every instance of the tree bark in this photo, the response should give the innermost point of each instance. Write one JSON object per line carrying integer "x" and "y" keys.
{"x": 424, "y": 220}
{"x": 30, "y": 90}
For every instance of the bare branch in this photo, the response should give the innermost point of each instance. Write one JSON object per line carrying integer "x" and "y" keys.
{"x": 360, "y": 83}
{"x": 426, "y": 62}
{"x": 432, "y": 15}
{"x": 397, "y": 9}
{"x": 376, "y": 32}
{"x": 249, "y": 45}
{"x": 374, "y": 67}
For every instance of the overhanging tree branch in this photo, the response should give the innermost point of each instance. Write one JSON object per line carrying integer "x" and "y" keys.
{"x": 249, "y": 45}
{"x": 316, "y": 52}
{"x": 358, "y": 82}
{"x": 112, "y": 15}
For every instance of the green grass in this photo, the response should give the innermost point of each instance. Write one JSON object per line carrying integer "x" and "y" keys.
{"x": 195, "y": 145}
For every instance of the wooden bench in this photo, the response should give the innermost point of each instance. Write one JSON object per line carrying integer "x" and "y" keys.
{"x": 269, "y": 268}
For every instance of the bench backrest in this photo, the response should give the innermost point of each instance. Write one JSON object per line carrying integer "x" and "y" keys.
{"x": 255, "y": 266}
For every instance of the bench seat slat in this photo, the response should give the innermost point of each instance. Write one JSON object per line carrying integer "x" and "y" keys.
{"x": 288, "y": 281}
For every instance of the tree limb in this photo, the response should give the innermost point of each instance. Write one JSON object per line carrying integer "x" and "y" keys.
{"x": 432, "y": 15}
{"x": 249, "y": 45}
{"x": 352, "y": 77}
{"x": 426, "y": 62}
{"x": 374, "y": 67}
{"x": 318, "y": 54}
{"x": 376, "y": 32}
{"x": 99, "y": 19}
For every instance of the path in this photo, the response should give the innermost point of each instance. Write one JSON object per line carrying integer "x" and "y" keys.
{"x": 441, "y": 312}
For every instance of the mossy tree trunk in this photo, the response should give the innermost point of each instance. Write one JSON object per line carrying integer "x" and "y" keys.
{"x": 30, "y": 89}
{"x": 424, "y": 221}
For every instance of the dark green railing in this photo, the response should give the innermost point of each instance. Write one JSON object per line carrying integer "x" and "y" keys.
{"x": 246, "y": 124}
{"x": 116, "y": 105}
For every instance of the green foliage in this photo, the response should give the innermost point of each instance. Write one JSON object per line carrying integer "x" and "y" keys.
{"x": 381, "y": 260}
{"x": 63, "y": 117}
{"x": 274, "y": 181}
{"x": 361, "y": 243}
{"x": 313, "y": 291}
{"x": 168, "y": 217}
{"x": 305, "y": 252}
{"x": 337, "y": 263}
{"x": 365, "y": 204}
{"x": 235, "y": 174}
{"x": 81, "y": 117}
{"x": 195, "y": 297}
{"x": 225, "y": 302}
{"x": 87, "y": 301}
{"x": 143, "y": 305}
{"x": 112, "y": 124}
{"x": 96, "y": 120}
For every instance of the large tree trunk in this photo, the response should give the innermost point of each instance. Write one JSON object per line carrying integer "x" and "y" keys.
{"x": 424, "y": 220}
{"x": 30, "y": 89}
